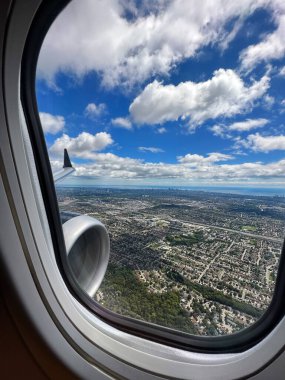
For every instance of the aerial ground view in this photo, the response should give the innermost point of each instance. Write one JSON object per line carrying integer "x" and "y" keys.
{"x": 197, "y": 261}
{"x": 166, "y": 108}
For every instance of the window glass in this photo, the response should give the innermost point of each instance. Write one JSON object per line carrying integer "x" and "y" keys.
{"x": 172, "y": 114}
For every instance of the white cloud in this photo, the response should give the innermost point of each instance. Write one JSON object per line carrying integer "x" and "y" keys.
{"x": 259, "y": 143}
{"x": 122, "y": 122}
{"x": 52, "y": 123}
{"x": 161, "y": 130}
{"x": 228, "y": 38}
{"x": 268, "y": 101}
{"x": 272, "y": 46}
{"x": 225, "y": 94}
{"x": 282, "y": 71}
{"x": 93, "y": 110}
{"x": 83, "y": 146}
{"x": 150, "y": 149}
{"x": 108, "y": 165}
{"x": 220, "y": 130}
{"x": 240, "y": 126}
{"x": 95, "y": 35}
{"x": 196, "y": 159}
{"x": 247, "y": 125}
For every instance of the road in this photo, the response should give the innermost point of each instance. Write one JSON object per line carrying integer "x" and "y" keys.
{"x": 276, "y": 240}
{"x": 213, "y": 260}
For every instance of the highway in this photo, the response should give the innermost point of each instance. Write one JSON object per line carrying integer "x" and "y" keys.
{"x": 274, "y": 239}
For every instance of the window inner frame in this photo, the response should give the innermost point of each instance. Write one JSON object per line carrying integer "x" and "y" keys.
{"x": 233, "y": 343}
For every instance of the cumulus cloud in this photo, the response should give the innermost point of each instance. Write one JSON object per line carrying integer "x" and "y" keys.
{"x": 161, "y": 130}
{"x": 52, "y": 123}
{"x": 95, "y": 35}
{"x": 259, "y": 143}
{"x": 272, "y": 46}
{"x": 108, "y": 165}
{"x": 197, "y": 159}
{"x": 122, "y": 122}
{"x": 240, "y": 126}
{"x": 225, "y": 94}
{"x": 220, "y": 130}
{"x": 247, "y": 125}
{"x": 150, "y": 149}
{"x": 282, "y": 71}
{"x": 93, "y": 110}
{"x": 82, "y": 146}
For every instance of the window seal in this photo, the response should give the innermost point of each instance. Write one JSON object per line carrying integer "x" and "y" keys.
{"x": 234, "y": 343}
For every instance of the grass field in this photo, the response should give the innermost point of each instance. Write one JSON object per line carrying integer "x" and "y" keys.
{"x": 248, "y": 228}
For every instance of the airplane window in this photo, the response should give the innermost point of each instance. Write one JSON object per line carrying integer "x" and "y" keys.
{"x": 172, "y": 116}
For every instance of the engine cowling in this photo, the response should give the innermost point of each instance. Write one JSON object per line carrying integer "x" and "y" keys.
{"x": 88, "y": 248}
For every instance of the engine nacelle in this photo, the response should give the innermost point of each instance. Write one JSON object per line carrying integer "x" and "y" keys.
{"x": 88, "y": 248}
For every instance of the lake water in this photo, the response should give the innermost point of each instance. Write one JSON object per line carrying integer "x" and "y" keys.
{"x": 266, "y": 191}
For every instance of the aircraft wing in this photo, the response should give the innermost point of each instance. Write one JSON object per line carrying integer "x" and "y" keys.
{"x": 66, "y": 169}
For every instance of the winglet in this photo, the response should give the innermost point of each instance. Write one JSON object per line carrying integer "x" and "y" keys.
{"x": 66, "y": 169}
{"x": 66, "y": 160}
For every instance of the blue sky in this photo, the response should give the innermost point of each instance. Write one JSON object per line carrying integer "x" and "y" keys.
{"x": 166, "y": 92}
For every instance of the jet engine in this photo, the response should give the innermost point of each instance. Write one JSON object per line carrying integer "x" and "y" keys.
{"x": 88, "y": 248}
